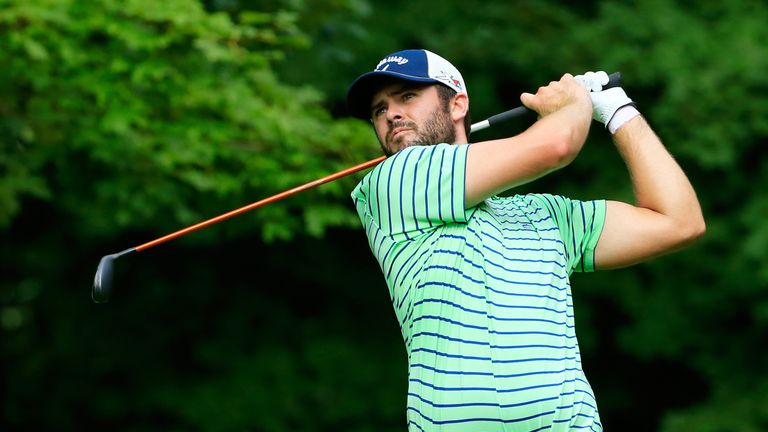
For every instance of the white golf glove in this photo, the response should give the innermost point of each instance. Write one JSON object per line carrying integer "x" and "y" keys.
{"x": 607, "y": 103}
{"x": 593, "y": 81}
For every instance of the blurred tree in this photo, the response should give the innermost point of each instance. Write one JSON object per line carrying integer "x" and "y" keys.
{"x": 162, "y": 108}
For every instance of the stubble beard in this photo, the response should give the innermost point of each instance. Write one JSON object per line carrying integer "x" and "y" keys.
{"x": 437, "y": 129}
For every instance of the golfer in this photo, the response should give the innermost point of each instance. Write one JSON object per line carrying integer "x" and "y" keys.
{"x": 480, "y": 283}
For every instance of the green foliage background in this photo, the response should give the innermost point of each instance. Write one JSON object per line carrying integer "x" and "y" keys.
{"x": 121, "y": 121}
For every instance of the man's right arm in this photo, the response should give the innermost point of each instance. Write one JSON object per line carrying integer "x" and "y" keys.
{"x": 551, "y": 143}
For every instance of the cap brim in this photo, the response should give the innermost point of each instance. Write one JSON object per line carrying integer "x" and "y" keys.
{"x": 361, "y": 91}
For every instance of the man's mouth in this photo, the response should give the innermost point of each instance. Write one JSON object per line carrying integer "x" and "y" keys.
{"x": 396, "y": 132}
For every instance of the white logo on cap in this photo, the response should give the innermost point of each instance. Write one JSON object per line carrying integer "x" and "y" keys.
{"x": 449, "y": 79}
{"x": 391, "y": 59}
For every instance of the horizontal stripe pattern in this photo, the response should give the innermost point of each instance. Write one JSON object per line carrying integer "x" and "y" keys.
{"x": 481, "y": 296}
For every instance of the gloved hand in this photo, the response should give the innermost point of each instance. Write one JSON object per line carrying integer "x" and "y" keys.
{"x": 593, "y": 81}
{"x": 605, "y": 103}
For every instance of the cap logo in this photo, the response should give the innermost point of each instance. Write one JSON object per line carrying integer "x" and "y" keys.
{"x": 391, "y": 59}
{"x": 449, "y": 79}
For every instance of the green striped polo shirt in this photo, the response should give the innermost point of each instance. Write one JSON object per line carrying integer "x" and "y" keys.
{"x": 482, "y": 295}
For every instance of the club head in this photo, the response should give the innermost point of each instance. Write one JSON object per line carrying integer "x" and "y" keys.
{"x": 102, "y": 282}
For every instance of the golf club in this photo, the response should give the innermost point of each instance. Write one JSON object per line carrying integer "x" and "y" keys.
{"x": 102, "y": 282}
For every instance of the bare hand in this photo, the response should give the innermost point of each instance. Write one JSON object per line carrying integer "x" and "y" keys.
{"x": 557, "y": 95}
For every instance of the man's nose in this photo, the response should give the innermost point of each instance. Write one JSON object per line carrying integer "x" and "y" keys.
{"x": 394, "y": 113}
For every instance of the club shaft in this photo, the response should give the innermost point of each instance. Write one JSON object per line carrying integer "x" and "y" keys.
{"x": 373, "y": 162}
{"x": 260, "y": 203}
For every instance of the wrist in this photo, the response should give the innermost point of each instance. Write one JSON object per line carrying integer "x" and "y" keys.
{"x": 607, "y": 103}
{"x": 621, "y": 117}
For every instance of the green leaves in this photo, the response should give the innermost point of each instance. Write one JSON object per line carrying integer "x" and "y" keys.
{"x": 162, "y": 100}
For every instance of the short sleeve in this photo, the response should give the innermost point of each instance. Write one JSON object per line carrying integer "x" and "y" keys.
{"x": 414, "y": 191}
{"x": 580, "y": 224}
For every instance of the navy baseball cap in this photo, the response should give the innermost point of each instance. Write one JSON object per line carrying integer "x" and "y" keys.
{"x": 416, "y": 65}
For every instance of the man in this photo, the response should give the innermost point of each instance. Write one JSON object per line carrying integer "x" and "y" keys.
{"x": 479, "y": 283}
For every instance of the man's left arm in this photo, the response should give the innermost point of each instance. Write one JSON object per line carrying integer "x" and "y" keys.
{"x": 666, "y": 215}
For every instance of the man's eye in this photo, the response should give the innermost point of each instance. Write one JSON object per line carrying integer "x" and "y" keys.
{"x": 407, "y": 96}
{"x": 379, "y": 111}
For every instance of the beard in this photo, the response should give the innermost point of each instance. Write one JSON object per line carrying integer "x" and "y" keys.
{"x": 437, "y": 129}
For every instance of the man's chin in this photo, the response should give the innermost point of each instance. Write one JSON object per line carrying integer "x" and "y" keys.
{"x": 407, "y": 142}
{"x": 397, "y": 147}
{"x": 412, "y": 144}
{"x": 399, "y": 144}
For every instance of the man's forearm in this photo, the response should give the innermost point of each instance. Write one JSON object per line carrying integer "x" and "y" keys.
{"x": 659, "y": 182}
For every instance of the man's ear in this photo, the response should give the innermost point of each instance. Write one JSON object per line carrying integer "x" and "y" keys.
{"x": 459, "y": 107}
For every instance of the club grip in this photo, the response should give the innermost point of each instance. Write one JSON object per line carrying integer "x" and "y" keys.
{"x": 614, "y": 80}
{"x": 506, "y": 115}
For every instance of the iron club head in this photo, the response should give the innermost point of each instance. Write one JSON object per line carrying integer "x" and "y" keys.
{"x": 102, "y": 282}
